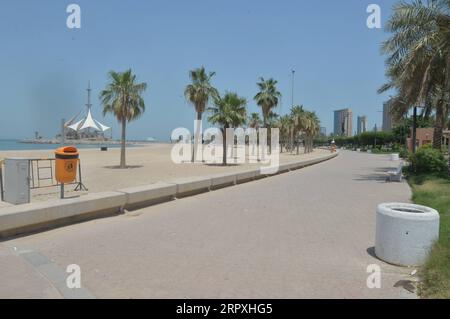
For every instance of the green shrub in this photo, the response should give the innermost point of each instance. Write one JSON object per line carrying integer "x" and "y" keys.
{"x": 428, "y": 160}
{"x": 403, "y": 152}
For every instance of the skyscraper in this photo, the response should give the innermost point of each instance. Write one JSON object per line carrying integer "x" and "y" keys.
{"x": 343, "y": 122}
{"x": 362, "y": 124}
{"x": 387, "y": 117}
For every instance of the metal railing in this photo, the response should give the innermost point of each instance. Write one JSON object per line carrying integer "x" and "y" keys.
{"x": 38, "y": 167}
{"x": 42, "y": 175}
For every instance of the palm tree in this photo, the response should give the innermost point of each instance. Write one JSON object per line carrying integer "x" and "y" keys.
{"x": 312, "y": 128}
{"x": 228, "y": 112}
{"x": 267, "y": 98}
{"x": 123, "y": 97}
{"x": 199, "y": 93}
{"x": 299, "y": 120}
{"x": 285, "y": 126}
{"x": 272, "y": 119}
{"x": 254, "y": 121}
{"x": 418, "y": 63}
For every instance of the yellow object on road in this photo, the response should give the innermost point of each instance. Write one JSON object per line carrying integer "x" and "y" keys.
{"x": 66, "y": 164}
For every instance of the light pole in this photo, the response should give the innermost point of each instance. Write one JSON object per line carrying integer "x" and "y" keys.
{"x": 293, "y": 79}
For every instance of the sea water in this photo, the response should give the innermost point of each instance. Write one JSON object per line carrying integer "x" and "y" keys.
{"x": 15, "y": 145}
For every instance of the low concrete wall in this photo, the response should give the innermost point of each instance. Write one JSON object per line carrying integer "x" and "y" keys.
{"x": 141, "y": 196}
{"x": 21, "y": 219}
{"x": 246, "y": 176}
{"x": 26, "y": 218}
{"x": 301, "y": 164}
{"x": 192, "y": 185}
{"x": 223, "y": 180}
{"x": 5, "y": 204}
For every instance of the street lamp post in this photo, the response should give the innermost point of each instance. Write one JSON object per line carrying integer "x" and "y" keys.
{"x": 292, "y": 95}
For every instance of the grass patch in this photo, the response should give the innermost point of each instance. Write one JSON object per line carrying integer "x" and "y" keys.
{"x": 434, "y": 191}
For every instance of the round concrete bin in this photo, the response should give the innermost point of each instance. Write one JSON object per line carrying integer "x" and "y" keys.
{"x": 405, "y": 233}
{"x": 395, "y": 157}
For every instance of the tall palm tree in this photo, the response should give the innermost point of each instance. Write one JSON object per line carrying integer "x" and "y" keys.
{"x": 228, "y": 111}
{"x": 267, "y": 98}
{"x": 123, "y": 98}
{"x": 199, "y": 93}
{"x": 418, "y": 63}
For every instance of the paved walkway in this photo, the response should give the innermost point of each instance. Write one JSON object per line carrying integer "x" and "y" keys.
{"x": 304, "y": 234}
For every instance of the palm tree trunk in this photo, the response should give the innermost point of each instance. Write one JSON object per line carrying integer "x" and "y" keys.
{"x": 197, "y": 136}
{"x": 291, "y": 142}
{"x": 123, "y": 163}
{"x": 268, "y": 144}
{"x": 439, "y": 126}
{"x": 224, "y": 133}
{"x": 258, "y": 143}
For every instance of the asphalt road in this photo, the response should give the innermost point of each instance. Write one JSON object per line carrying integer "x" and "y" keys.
{"x": 304, "y": 234}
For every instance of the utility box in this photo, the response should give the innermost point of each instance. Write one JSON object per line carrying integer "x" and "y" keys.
{"x": 17, "y": 181}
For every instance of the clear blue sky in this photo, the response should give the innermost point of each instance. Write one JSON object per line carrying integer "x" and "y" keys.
{"x": 45, "y": 66}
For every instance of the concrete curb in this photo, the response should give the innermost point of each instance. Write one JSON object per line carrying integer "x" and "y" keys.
{"x": 141, "y": 196}
{"x": 223, "y": 180}
{"x": 22, "y": 219}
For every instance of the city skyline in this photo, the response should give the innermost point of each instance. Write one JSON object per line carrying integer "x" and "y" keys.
{"x": 387, "y": 123}
{"x": 343, "y": 122}
{"x": 362, "y": 124}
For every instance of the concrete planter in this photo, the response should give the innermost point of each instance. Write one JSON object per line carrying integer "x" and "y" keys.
{"x": 395, "y": 157}
{"x": 405, "y": 233}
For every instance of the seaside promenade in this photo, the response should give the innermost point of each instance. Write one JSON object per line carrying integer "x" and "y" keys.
{"x": 304, "y": 234}
{"x": 148, "y": 164}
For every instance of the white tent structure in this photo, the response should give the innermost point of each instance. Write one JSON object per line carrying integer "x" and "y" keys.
{"x": 87, "y": 122}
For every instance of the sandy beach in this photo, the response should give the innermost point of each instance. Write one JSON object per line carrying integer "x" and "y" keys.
{"x": 147, "y": 164}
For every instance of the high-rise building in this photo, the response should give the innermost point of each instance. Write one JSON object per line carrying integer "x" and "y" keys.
{"x": 323, "y": 131}
{"x": 343, "y": 122}
{"x": 375, "y": 128}
{"x": 362, "y": 124}
{"x": 387, "y": 117}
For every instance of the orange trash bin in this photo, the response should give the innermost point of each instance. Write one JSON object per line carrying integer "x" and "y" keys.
{"x": 66, "y": 164}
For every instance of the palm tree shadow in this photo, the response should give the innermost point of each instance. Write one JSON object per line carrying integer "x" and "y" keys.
{"x": 127, "y": 167}
{"x": 371, "y": 177}
{"x": 222, "y": 165}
